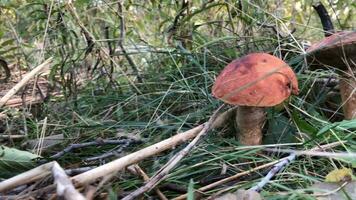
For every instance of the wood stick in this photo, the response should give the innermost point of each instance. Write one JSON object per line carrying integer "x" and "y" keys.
{"x": 164, "y": 171}
{"x": 65, "y": 187}
{"x": 228, "y": 179}
{"x": 145, "y": 177}
{"x": 121, "y": 163}
{"x": 27, "y": 177}
{"x": 109, "y": 168}
{"x": 18, "y": 101}
{"x": 24, "y": 80}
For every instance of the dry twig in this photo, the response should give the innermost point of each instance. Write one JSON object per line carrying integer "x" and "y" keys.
{"x": 136, "y": 169}
{"x": 25, "y": 79}
{"x": 163, "y": 172}
{"x": 98, "y": 142}
{"x": 65, "y": 187}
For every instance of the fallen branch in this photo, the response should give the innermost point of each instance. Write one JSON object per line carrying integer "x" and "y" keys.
{"x": 19, "y": 101}
{"x": 285, "y": 161}
{"x": 23, "y": 82}
{"x": 276, "y": 168}
{"x": 126, "y": 143}
{"x": 136, "y": 169}
{"x": 65, "y": 187}
{"x": 121, "y": 163}
{"x": 163, "y": 172}
{"x": 98, "y": 142}
{"x": 27, "y": 177}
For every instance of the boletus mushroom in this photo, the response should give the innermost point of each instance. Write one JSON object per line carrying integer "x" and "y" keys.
{"x": 254, "y": 82}
{"x": 339, "y": 51}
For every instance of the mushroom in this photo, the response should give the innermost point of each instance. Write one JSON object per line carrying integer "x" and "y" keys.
{"x": 339, "y": 51}
{"x": 253, "y": 82}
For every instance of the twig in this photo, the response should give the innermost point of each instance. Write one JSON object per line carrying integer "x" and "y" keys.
{"x": 331, "y": 192}
{"x": 120, "y": 43}
{"x": 65, "y": 187}
{"x": 163, "y": 172}
{"x": 27, "y": 177}
{"x": 24, "y": 80}
{"x": 122, "y": 146}
{"x": 88, "y": 36}
{"x": 276, "y": 168}
{"x": 75, "y": 171}
{"x": 234, "y": 177}
{"x": 137, "y": 170}
{"x": 98, "y": 142}
{"x": 228, "y": 179}
{"x": 121, "y": 163}
{"x": 315, "y": 153}
{"x": 20, "y": 101}
{"x": 5, "y": 67}
{"x": 109, "y": 168}
{"x": 287, "y": 160}
{"x": 325, "y": 19}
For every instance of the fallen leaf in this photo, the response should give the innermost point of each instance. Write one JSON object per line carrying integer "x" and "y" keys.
{"x": 339, "y": 175}
{"x": 334, "y": 191}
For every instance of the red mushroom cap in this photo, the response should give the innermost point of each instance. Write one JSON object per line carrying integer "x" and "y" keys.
{"x": 333, "y": 50}
{"x": 258, "y": 79}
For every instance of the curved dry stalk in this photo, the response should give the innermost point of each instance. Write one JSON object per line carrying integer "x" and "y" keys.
{"x": 163, "y": 172}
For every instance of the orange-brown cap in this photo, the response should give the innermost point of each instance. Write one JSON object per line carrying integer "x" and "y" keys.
{"x": 333, "y": 50}
{"x": 258, "y": 79}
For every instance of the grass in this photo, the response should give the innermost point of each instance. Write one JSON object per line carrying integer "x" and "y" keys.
{"x": 175, "y": 95}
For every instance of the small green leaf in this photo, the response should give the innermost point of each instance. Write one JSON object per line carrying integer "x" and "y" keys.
{"x": 303, "y": 125}
{"x": 14, "y": 161}
{"x": 7, "y": 42}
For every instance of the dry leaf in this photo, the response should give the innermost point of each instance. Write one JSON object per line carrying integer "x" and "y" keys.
{"x": 339, "y": 175}
{"x": 334, "y": 191}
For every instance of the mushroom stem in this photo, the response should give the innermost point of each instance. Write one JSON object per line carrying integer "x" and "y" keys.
{"x": 348, "y": 96}
{"x": 250, "y": 121}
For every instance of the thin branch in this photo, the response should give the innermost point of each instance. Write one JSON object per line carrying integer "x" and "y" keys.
{"x": 325, "y": 19}
{"x": 65, "y": 186}
{"x": 122, "y": 147}
{"x": 136, "y": 169}
{"x": 27, "y": 177}
{"x": 163, "y": 172}
{"x": 285, "y": 161}
{"x": 23, "y": 81}
{"x": 276, "y": 168}
{"x": 98, "y": 142}
{"x": 121, "y": 41}
{"x": 121, "y": 163}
